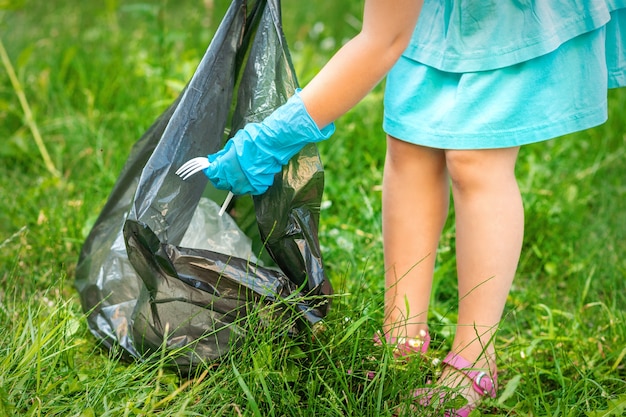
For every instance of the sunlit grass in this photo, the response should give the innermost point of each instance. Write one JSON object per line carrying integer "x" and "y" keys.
{"x": 97, "y": 74}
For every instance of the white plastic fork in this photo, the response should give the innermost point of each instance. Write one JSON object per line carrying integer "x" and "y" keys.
{"x": 196, "y": 165}
{"x": 193, "y": 166}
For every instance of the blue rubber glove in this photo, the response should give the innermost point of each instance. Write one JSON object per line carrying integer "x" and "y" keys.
{"x": 251, "y": 158}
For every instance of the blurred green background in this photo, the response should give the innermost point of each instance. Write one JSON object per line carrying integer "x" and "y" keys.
{"x": 96, "y": 74}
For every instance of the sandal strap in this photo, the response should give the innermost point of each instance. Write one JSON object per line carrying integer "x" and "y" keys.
{"x": 405, "y": 346}
{"x": 483, "y": 383}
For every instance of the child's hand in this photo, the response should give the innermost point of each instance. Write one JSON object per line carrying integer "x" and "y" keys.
{"x": 256, "y": 153}
{"x": 241, "y": 168}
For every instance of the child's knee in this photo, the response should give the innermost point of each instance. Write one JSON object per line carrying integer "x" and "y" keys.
{"x": 463, "y": 168}
{"x": 473, "y": 169}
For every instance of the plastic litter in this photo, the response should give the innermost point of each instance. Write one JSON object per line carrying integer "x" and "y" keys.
{"x": 161, "y": 270}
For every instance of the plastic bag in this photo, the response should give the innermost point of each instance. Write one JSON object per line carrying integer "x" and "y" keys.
{"x": 142, "y": 288}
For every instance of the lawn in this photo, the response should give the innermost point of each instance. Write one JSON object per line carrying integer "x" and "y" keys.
{"x": 81, "y": 81}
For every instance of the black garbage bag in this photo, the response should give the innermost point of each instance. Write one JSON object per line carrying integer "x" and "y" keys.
{"x": 159, "y": 269}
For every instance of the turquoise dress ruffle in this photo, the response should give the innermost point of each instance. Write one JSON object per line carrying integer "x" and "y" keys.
{"x": 498, "y": 73}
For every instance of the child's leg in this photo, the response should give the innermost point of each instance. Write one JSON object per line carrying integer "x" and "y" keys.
{"x": 489, "y": 232}
{"x": 415, "y": 207}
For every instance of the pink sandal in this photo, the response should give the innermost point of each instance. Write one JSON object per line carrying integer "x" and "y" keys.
{"x": 482, "y": 383}
{"x": 402, "y": 346}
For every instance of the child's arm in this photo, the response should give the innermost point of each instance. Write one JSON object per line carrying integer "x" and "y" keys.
{"x": 249, "y": 161}
{"x": 362, "y": 62}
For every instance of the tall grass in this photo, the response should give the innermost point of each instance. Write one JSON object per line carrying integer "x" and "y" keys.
{"x": 96, "y": 74}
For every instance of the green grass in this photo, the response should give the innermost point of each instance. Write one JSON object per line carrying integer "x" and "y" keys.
{"x": 97, "y": 74}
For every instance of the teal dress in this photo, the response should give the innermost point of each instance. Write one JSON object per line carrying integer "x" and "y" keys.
{"x": 482, "y": 74}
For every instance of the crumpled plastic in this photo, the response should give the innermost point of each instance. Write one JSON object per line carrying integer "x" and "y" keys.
{"x": 159, "y": 270}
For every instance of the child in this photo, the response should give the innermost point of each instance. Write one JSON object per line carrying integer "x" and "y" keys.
{"x": 468, "y": 84}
